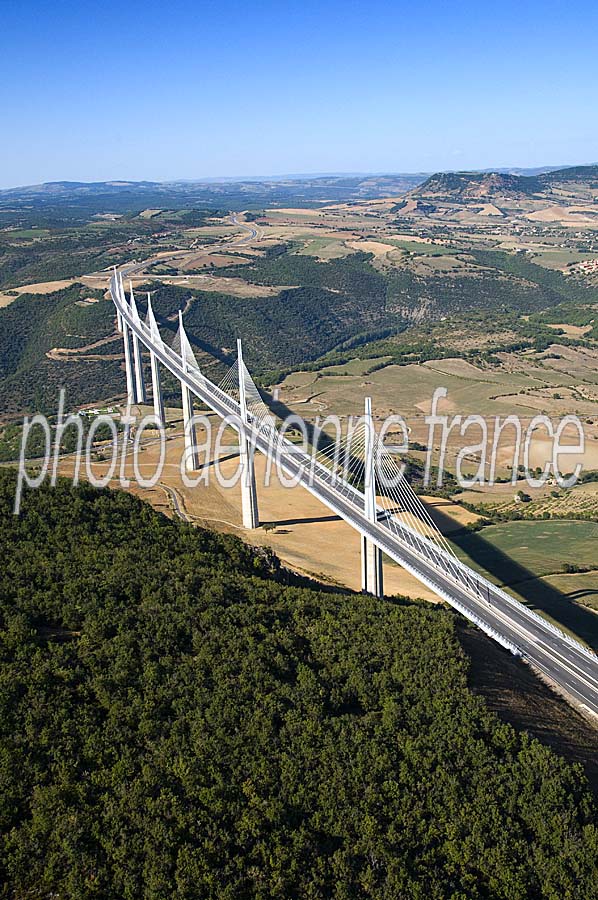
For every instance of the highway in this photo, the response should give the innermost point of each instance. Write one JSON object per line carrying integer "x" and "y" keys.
{"x": 252, "y": 232}
{"x": 563, "y": 660}
{"x": 133, "y": 268}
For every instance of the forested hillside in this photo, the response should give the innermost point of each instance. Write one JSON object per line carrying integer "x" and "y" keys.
{"x": 32, "y": 326}
{"x": 178, "y": 723}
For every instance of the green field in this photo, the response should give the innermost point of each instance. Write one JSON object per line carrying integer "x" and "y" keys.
{"x": 355, "y": 366}
{"x": 558, "y": 258}
{"x": 403, "y": 387}
{"x": 325, "y": 248}
{"x": 526, "y": 544}
{"x": 27, "y": 233}
{"x": 517, "y": 554}
{"x": 579, "y": 588}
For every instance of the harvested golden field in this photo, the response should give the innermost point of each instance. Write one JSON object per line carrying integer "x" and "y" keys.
{"x": 325, "y": 248}
{"x": 235, "y": 286}
{"x": 45, "y": 287}
{"x": 376, "y": 247}
{"x": 570, "y": 216}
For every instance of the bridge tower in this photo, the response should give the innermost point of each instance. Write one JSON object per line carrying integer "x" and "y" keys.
{"x": 119, "y": 318}
{"x": 139, "y": 385}
{"x": 128, "y": 365}
{"x": 156, "y": 383}
{"x": 127, "y": 346}
{"x": 191, "y": 455}
{"x": 248, "y": 488}
{"x": 371, "y": 555}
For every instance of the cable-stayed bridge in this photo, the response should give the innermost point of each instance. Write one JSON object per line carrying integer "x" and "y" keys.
{"x": 359, "y": 480}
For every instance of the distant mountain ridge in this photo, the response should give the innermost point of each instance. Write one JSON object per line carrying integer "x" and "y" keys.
{"x": 476, "y": 185}
{"x": 82, "y": 199}
{"x": 76, "y": 201}
{"x": 524, "y": 180}
{"x": 316, "y": 186}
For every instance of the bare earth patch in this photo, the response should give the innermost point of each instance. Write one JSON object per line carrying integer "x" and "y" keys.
{"x": 573, "y": 330}
{"x": 45, "y": 287}
{"x": 235, "y": 286}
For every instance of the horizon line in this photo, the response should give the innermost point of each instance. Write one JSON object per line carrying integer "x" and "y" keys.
{"x": 296, "y": 176}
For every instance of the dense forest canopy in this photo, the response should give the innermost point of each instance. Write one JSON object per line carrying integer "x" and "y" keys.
{"x": 178, "y": 722}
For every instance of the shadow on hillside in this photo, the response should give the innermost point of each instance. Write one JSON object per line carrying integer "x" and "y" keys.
{"x": 283, "y": 411}
{"x": 582, "y": 592}
{"x": 517, "y": 695}
{"x": 219, "y": 460}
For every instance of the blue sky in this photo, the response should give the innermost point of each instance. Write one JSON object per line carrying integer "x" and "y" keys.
{"x": 131, "y": 90}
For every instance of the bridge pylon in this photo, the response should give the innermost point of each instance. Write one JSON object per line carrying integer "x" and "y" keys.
{"x": 119, "y": 318}
{"x": 372, "y": 581}
{"x": 191, "y": 454}
{"x": 248, "y": 488}
{"x": 156, "y": 383}
{"x": 139, "y": 383}
{"x": 126, "y": 344}
{"x": 128, "y": 366}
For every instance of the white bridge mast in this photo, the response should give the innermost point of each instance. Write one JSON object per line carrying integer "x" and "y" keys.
{"x": 156, "y": 383}
{"x": 127, "y": 346}
{"x": 139, "y": 385}
{"x": 371, "y": 555}
{"x": 246, "y": 450}
{"x": 191, "y": 455}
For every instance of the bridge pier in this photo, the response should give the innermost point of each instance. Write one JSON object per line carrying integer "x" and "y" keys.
{"x": 155, "y": 369}
{"x": 372, "y": 581}
{"x": 248, "y": 489}
{"x": 191, "y": 454}
{"x": 128, "y": 365}
{"x": 139, "y": 384}
{"x": 249, "y": 505}
{"x": 157, "y": 392}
